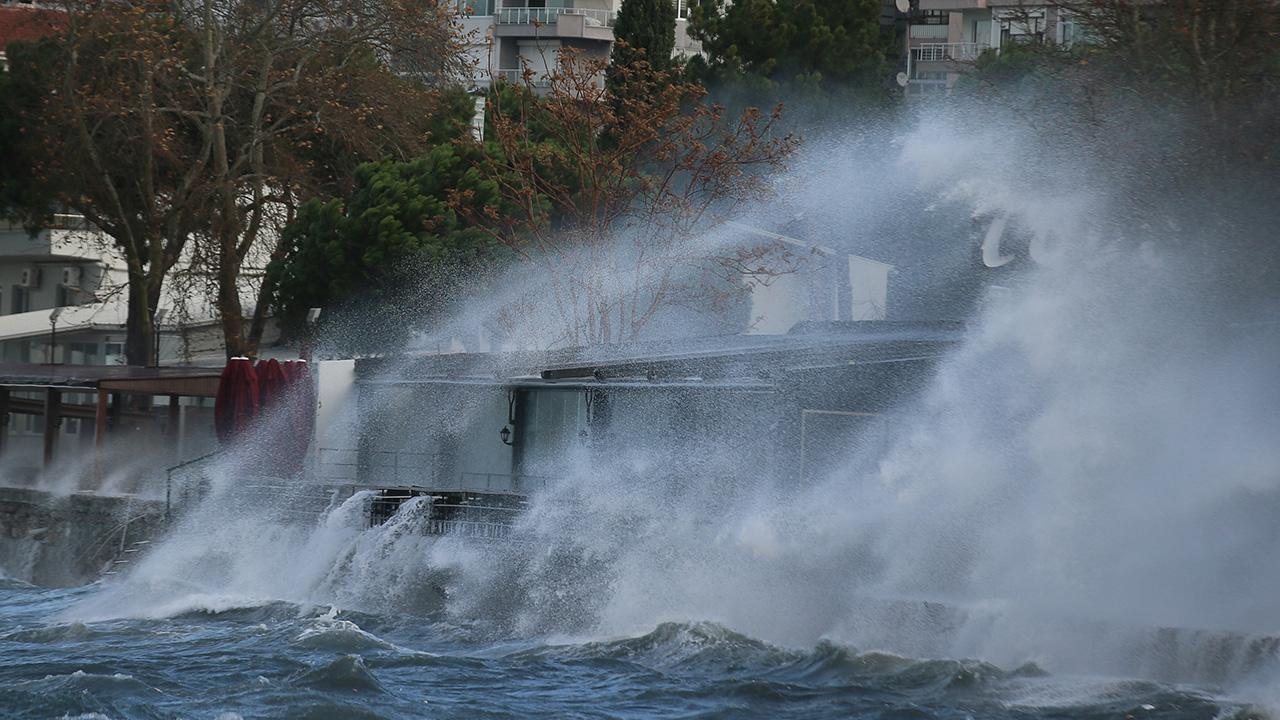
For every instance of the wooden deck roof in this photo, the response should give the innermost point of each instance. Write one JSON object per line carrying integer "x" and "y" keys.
{"x": 185, "y": 381}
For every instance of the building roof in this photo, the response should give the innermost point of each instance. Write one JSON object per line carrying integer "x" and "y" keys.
{"x": 716, "y": 358}
{"x": 29, "y": 23}
{"x": 196, "y": 381}
{"x": 35, "y": 323}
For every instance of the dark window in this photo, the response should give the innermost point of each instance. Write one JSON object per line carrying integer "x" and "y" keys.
{"x": 21, "y": 299}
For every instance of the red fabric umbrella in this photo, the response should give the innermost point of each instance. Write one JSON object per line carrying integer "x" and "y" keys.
{"x": 236, "y": 404}
{"x": 272, "y": 387}
{"x": 302, "y": 410}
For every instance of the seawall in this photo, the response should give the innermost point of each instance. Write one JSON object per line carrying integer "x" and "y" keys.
{"x": 63, "y": 540}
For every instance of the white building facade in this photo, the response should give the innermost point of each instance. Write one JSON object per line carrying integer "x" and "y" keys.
{"x": 506, "y": 36}
{"x": 946, "y": 37}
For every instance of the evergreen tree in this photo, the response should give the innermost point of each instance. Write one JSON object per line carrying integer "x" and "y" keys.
{"x": 803, "y": 44}
{"x": 394, "y": 250}
{"x": 645, "y": 28}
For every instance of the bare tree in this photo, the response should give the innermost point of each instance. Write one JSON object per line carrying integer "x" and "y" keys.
{"x": 293, "y": 95}
{"x": 108, "y": 144}
{"x": 614, "y": 193}
{"x": 188, "y": 131}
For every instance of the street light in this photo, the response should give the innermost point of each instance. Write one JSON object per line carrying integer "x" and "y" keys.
{"x": 53, "y": 334}
{"x": 505, "y": 434}
{"x": 155, "y": 335}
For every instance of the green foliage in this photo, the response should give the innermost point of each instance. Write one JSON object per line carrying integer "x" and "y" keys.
{"x": 23, "y": 196}
{"x": 452, "y": 117}
{"x": 11, "y": 182}
{"x": 399, "y": 230}
{"x": 645, "y": 29}
{"x": 517, "y": 102}
{"x": 813, "y": 44}
{"x": 1012, "y": 65}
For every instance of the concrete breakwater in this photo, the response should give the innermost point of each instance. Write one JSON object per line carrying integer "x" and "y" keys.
{"x": 60, "y": 540}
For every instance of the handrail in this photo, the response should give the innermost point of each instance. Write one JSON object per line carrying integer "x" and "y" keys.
{"x": 168, "y": 480}
{"x": 546, "y": 16}
{"x": 516, "y": 77}
{"x": 416, "y": 469}
{"x": 938, "y": 52}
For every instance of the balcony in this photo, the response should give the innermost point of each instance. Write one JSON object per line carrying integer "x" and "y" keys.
{"x": 550, "y": 16}
{"x": 516, "y": 77}
{"x": 947, "y": 52}
{"x": 65, "y": 235}
{"x": 555, "y": 24}
{"x": 929, "y": 32}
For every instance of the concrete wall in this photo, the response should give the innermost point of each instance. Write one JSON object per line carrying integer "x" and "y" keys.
{"x": 65, "y": 540}
{"x": 439, "y": 435}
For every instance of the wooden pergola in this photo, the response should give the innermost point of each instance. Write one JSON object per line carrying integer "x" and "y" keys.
{"x": 104, "y": 381}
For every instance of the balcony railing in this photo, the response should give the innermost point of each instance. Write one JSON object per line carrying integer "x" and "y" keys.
{"x": 928, "y": 32}
{"x": 516, "y": 77}
{"x": 58, "y": 221}
{"x": 547, "y": 16}
{"x": 947, "y": 52}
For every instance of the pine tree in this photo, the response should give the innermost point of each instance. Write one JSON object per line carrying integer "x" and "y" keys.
{"x": 645, "y": 28}
{"x": 805, "y": 41}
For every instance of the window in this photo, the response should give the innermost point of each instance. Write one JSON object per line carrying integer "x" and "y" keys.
{"x": 21, "y": 299}
{"x": 83, "y": 354}
{"x": 933, "y": 17}
{"x": 1025, "y": 26}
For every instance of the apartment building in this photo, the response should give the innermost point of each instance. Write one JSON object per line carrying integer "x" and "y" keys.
{"x": 508, "y": 35}
{"x": 945, "y": 37}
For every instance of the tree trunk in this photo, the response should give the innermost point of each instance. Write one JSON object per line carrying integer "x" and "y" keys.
{"x": 139, "y": 333}
{"x": 231, "y": 312}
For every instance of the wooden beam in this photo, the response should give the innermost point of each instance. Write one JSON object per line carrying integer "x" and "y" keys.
{"x": 52, "y": 422}
{"x": 197, "y": 386}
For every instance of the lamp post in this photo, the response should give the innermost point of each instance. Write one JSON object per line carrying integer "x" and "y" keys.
{"x": 155, "y": 336}
{"x": 53, "y": 334}
{"x": 505, "y": 433}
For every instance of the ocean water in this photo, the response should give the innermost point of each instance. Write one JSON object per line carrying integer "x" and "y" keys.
{"x": 289, "y": 660}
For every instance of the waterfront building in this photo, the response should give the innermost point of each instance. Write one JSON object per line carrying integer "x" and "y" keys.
{"x": 776, "y": 408}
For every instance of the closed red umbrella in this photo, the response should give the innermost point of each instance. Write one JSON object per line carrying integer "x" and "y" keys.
{"x": 236, "y": 404}
{"x": 302, "y": 409}
{"x": 272, "y": 387}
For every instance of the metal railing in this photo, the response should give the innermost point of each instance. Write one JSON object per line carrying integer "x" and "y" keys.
{"x": 547, "y": 16}
{"x": 168, "y": 479}
{"x": 944, "y": 52}
{"x": 516, "y": 77}
{"x": 391, "y": 467}
{"x": 501, "y": 482}
{"x": 57, "y": 221}
{"x": 403, "y": 468}
{"x": 928, "y": 32}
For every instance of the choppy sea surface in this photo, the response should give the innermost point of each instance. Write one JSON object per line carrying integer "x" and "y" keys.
{"x": 284, "y": 660}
